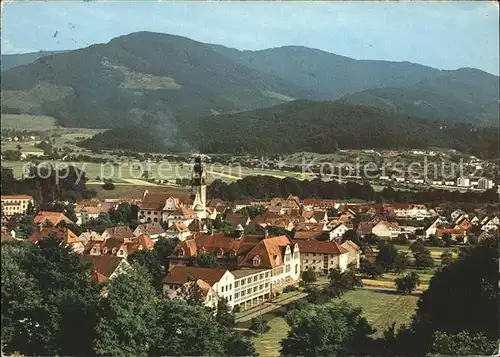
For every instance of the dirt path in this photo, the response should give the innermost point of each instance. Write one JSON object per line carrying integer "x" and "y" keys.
{"x": 269, "y": 306}
{"x": 224, "y": 175}
{"x": 140, "y": 182}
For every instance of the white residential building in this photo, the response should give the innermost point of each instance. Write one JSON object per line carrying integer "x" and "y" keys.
{"x": 15, "y": 204}
{"x": 463, "y": 182}
{"x": 485, "y": 184}
{"x": 338, "y": 231}
{"x": 322, "y": 256}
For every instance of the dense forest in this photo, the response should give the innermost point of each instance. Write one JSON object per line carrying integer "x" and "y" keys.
{"x": 324, "y": 127}
{"x": 321, "y": 127}
{"x": 266, "y": 187}
{"x": 47, "y": 184}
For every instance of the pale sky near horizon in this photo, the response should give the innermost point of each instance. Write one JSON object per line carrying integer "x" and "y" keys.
{"x": 445, "y": 35}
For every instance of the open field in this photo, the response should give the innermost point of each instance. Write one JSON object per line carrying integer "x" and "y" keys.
{"x": 28, "y": 122}
{"x": 133, "y": 191}
{"x": 380, "y": 308}
{"x": 133, "y": 169}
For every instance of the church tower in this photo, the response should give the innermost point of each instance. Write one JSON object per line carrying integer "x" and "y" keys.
{"x": 199, "y": 187}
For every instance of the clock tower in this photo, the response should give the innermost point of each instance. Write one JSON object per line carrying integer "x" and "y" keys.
{"x": 199, "y": 187}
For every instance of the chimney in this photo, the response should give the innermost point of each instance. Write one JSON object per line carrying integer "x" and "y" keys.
{"x": 266, "y": 233}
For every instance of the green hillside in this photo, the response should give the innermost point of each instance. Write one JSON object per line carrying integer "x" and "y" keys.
{"x": 149, "y": 77}
{"x": 327, "y": 75}
{"x": 136, "y": 78}
{"x": 320, "y": 127}
{"x": 464, "y": 95}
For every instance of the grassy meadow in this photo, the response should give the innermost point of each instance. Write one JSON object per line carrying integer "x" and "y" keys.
{"x": 380, "y": 308}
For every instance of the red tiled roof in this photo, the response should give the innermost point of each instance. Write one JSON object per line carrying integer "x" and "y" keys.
{"x": 216, "y": 242}
{"x": 16, "y": 197}
{"x": 121, "y": 233}
{"x": 103, "y": 265}
{"x": 267, "y": 250}
{"x": 65, "y": 234}
{"x": 180, "y": 275}
{"x": 440, "y": 232}
{"x": 156, "y": 200}
{"x": 203, "y": 287}
{"x": 151, "y": 228}
{"x": 145, "y": 241}
{"x": 236, "y": 219}
{"x": 315, "y": 246}
{"x": 54, "y": 217}
{"x": 184, "y": 212}
{"x": 310, "y": 235}
{"x": 216, "y": 203}
{"x": 310, "y": 227}
{"x": 178, "y": 227}
{"x": 365, "y": 228}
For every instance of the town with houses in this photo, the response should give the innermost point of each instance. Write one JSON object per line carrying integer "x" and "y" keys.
{"x": 253, "y": 264}
{"x": 253, "y": 179}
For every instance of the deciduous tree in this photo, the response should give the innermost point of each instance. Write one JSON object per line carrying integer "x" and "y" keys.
{"x": 423, "y": 259}
{"x": 446, "y": 258}
{"x": 128, "y": 325}
{"x": 462, "y": 344}
{"x": 326, "y": 330}
{"x": 341, "y": 282}
{"x": 206, "y": 260}
{"x": 308, "y": 276}
{"x": 402, "y": 262}
{"x": 386, "y": 255}
{"x": 370, "y": 269}
{"x": 259, "y": 325}
{"x": 408, "y": 282}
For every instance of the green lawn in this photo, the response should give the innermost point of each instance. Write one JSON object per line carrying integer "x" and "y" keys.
{"x": 268, "y": 344}
{"x": 380, "y": 308}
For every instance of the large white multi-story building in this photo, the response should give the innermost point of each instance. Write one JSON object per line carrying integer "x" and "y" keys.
{"x": 262, "y": 266}
{"x": 485, "y": 184}
{"x": 15, "y": 204}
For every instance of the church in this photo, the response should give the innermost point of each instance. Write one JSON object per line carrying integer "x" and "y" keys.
{"x": 169, "y": 208}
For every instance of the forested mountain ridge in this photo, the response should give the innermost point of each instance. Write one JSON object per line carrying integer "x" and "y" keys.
{"x": 139, "y": 77}
{"x": 301, "y": 125}
{"x": 328, "y": 75}
{"x": 465, "y": 95}
{"x": 149, "y": 77}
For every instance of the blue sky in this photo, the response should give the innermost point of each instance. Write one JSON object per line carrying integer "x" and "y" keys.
{"x": 445, "y": 35}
